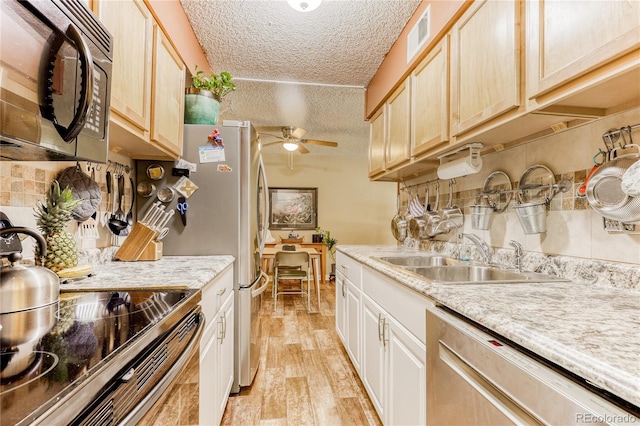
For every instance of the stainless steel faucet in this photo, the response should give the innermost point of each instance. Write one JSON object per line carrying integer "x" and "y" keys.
{"x": 519, "y": 254}
{"x": 481, "y": 245}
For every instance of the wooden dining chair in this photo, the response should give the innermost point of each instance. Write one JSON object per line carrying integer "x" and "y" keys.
{"x": 295, "y": 266}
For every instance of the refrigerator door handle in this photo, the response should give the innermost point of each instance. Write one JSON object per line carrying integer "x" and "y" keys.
{"x": 265, "y": 225}
{"x": 258, "y": 291}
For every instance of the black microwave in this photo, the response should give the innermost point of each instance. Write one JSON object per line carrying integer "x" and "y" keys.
{"x": 55, "y": 77}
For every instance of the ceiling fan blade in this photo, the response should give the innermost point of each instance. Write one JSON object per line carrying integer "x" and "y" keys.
{"x": 317, "y": 142}
{"x": 297, "y": 132}
{"x": 303, "y": 149}
{"x": 271, "y": 143}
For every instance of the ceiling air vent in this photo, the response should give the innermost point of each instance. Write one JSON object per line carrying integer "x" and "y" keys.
{"x": 419, "y": 34}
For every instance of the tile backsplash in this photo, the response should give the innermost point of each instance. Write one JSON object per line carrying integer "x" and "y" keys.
{"x": 574, "y": 229}
{"x": 24, "y": 183}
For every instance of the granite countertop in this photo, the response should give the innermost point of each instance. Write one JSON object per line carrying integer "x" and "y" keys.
{"x": 177, "y": 272}
{"x": 591, "y": 331}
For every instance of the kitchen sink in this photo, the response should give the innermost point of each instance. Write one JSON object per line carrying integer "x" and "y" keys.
{"x": 467, "y": 274}
{"x": 444, "y": 270}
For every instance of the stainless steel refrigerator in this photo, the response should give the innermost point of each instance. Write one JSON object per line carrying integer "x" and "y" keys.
{"x": 226, "y": 215}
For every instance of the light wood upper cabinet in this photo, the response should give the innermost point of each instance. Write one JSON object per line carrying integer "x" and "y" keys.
{"x": 147, "y": 86}
{"x": 485, "y": 63}
{"x": 168, "y": 94}
{"x": 131, "y": 25}
{"x": 377, "y": 131}
{"x": 507, "y": 71}
{"x": 430, "y": 101}
{"x": 566, "y": 39}
{"x": 398, "y": 131}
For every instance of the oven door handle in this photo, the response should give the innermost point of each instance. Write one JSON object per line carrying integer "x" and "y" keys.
{"x": 154, "y": 395}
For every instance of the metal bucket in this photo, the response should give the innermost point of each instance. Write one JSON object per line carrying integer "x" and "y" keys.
{"x": 533, "y": 217}
{"x": 481, "y": 216}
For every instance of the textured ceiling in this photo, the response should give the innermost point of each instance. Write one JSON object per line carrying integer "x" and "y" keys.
{"x": 330, "y": 54}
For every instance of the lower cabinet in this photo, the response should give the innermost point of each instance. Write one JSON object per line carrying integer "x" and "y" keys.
{"x": 389, "y": 325}
{"x": 348, "y": 317}
{"x": 374, "y": 348}
{"x": 217, "y": 348}
{"x": 406, "y": 376}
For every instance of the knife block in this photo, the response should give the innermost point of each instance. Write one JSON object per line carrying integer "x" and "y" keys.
{"x": 136, "y": 243}
{"x": 153, "y": 251}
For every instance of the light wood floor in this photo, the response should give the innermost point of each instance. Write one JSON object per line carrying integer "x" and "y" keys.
{"x": 305, "y": 375}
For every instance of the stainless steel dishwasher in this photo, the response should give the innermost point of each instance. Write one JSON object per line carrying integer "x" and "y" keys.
{"x": 476, "y": 379}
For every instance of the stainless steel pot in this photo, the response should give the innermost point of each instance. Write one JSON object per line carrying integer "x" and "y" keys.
{"x": 451, "y": 212}
{"x": 399, "y": 223}
{"x": 418, "y": 225}
{"x": 433, "y": 217}
{"x": 27, "y": 326}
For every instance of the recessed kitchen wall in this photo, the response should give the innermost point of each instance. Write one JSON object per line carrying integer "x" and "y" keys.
{"x": 354, "y": 209}
{"x": 23, "y": 183}
{"x": 573, "y": 227}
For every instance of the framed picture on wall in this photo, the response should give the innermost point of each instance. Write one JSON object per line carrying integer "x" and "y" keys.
{"x": 293, "y": 208}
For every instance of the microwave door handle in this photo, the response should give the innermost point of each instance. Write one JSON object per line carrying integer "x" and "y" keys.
{"x": 86, "y": 91}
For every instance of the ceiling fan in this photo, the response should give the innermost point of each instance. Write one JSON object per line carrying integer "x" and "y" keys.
{"x": 291, "y": 138}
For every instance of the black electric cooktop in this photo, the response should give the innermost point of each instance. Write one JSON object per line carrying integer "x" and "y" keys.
{"x": 88, "y": 330}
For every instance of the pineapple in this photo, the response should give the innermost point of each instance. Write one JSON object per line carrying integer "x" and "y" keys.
{"x": 51, "y": 218}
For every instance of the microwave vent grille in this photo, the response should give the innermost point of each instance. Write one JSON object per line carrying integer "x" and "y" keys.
{"x": 90, "y": 25}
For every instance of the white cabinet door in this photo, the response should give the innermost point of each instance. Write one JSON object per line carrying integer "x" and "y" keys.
{"x": 353, "y": 323}
{"x": 406, "y": 375}
{"x": 217, "y": 347}
{"x": 209, "y": 376}
{"x": 373, "y": 353}
{"x": 225, "y": 354}
{"x": 341, "y": 306}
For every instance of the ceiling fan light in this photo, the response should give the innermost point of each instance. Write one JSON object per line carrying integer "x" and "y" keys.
{"x": 290, "y": 146}
{"x": 304, "y": 5}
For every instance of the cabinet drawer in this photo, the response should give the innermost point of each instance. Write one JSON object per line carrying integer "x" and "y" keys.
{"x": 350, "y": 268}
{"x": 404, "y": 304}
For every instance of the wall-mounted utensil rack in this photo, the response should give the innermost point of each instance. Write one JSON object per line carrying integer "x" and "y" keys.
{"x": 418, "y": 185}
{"x": 562, "y": 186}
{"x": 612, "y": 136}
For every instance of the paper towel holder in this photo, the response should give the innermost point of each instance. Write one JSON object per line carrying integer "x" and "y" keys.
{"x": 450, "y": 169}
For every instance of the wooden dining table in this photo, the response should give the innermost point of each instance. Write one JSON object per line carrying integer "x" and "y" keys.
{"x": 269, "y": 254}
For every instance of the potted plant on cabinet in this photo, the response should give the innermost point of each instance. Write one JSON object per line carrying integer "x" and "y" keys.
{"x": 202, "y": 99}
